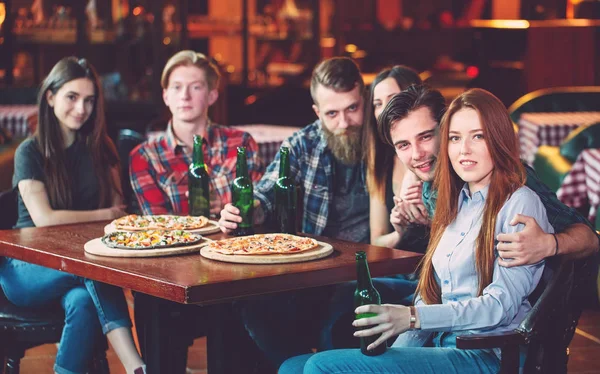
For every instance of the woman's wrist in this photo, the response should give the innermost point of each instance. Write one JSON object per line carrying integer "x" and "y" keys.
{"x": 106, "y": 213}
{"x": 414, "y": 322}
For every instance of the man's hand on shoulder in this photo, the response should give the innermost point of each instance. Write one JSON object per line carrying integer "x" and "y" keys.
{"x": 526, "y": 247}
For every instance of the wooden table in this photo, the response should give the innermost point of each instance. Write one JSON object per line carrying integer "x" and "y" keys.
{"x": 192, "y": 279}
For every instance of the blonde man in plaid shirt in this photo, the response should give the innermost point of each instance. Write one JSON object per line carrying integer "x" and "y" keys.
{"x": 158, "y": 168}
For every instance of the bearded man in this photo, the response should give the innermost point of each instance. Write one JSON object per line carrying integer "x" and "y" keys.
{"x": 326, "y": 160}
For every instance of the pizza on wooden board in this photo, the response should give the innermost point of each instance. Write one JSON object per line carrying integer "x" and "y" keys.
{"x": 263, "y": 244}
{"x": 135, "y": 222}
{"x": 150, "y": 239}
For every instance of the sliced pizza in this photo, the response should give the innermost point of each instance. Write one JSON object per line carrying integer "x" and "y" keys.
{"x": 150, "y": 239}
{"x": 134, "y": 222}
{"x": 263, "y": 244}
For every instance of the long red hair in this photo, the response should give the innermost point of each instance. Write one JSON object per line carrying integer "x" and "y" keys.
{"x": 507, "y": 176}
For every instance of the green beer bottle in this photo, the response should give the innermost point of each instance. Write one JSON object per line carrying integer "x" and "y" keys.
{"x": 242, "y": 195}
{"x": 285, "y": 196}
{"x": 366, "y": 294}
{"x": 198, "y": 179}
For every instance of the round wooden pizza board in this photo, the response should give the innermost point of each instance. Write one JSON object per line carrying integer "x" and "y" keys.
{"x": 211, "y": 228}
{"x": 323, "y": 250}
{"x": 96, "y": 247}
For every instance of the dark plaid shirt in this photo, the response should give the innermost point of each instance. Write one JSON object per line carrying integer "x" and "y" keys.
{"x": 312, "y": 165}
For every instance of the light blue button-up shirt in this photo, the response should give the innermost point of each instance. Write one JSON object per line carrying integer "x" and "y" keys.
{"x": 503, "y": 304}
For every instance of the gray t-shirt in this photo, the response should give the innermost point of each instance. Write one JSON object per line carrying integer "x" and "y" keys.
{"x": 29, "y": 164}
{"x": 349, "y": 211}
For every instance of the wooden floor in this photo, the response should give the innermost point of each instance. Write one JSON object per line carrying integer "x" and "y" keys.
{"x": 584, "y": 352}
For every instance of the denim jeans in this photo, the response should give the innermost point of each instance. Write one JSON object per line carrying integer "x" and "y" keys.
{"x": 90, "y": 307}
{"x": 442, "y": 358}
{"x": 290, "y": 324}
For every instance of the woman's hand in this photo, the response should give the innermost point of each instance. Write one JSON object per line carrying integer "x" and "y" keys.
{"x": 413, "y": 193}
{"x": 413, "y": 213}
{"x": 390, "y": 320}
{"x": 398, "y": 220}
{"x": 117, "y": 211}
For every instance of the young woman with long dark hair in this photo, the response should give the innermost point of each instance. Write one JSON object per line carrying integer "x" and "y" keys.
{"x": 385, "y": 172}
{"x": 68, "y": 172}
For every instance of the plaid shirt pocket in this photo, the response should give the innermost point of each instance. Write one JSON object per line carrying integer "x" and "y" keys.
{"x": 174, "y": 184}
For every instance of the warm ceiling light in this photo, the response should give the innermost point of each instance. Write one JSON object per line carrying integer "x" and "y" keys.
{"x": 351, "y": 48}
{"x": 328, "y": 42}
{"x": 137, "y": 10}
{"x": 2, "y": 13}
{"x": 359, "y": 54}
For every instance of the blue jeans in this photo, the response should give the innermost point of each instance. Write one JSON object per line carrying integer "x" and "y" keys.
{"x": 89, "y": 306}
{"x": 443, "y": 358}
{"x": 290, "y": 324}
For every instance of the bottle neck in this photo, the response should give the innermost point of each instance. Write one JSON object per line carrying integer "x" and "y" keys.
{"x": 363, "y": 275}
{"x": 198, "y": 156}
{"x": 241, "y": 168}
{"x": 284, "y": 165}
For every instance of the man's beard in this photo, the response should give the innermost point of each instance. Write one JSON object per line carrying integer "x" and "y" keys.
{"x": 345, "y": 145}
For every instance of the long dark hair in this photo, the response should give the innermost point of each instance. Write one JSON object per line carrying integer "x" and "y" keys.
{"x": 508, "y": 176}
{"x": 379, "y": 154}
{"x": 93, "y": 133}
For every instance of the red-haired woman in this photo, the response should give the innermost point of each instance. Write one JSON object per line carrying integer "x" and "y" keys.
{"x": 462, "y": 289}
{"x": 67, "y": 173}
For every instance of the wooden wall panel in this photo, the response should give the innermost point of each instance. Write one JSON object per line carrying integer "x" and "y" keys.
{"x": 561, "y": 56}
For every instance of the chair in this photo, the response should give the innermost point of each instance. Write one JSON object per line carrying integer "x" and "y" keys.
{"x": 22, "y": 328}
{"x": 127, "y": 140}
{"x": 553, "y": 163}
{"x": 549, "y": 327}
{"x": 557, "y": 99}
{"x": 8, "y": 202}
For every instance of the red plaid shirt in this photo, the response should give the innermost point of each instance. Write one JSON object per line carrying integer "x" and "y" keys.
{"x": 158, "y": 168}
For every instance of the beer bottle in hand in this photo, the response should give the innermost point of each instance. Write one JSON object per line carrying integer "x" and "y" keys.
{"x": 366, "y": 294}
{"x": 285, "y": 196}
{"x": 242, "y": 195}
{"x": 198, "y": 180}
